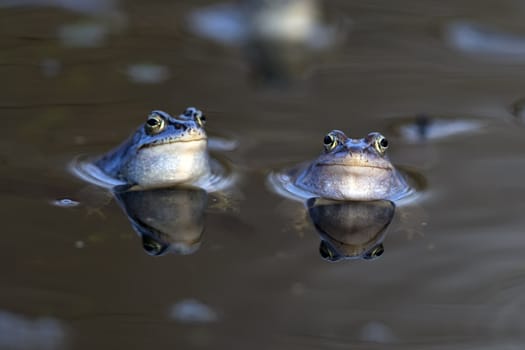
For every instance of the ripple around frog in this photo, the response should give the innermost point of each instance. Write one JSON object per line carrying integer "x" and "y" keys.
{"x": 282, "y": 183}
{"x": 221, "y": 177}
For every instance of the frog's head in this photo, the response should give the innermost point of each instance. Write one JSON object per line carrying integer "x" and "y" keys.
{"x": 167, "y": 150}
{"x": 352, "y": 169}
{"x": 367, "y": 154}
{"x": 161, "y": 129}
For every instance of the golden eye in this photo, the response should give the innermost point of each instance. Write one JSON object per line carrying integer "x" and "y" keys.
{"x": 154, "y": 124}
{"x": 329, "y": 142}
{"x": 381, "y": 144}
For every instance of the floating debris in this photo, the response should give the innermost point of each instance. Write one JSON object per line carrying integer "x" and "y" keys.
{"x": 424, "y": 127}
{"x": 146, "y": 73}
{"x": 475, "y": 38}
{"x": 18, "y": 332}
{"x": 192, "y": 311}
{"x": 65, "y": 203}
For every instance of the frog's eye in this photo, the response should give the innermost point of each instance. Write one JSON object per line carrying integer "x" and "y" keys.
{"x": 200, "y": 118}
{"x": 381, "y": 144}
{"x": 329, "y": 142}
{"x": 196, "y": 115}
{"x": 376, "y": 252}
{"x": 154, "y": 124}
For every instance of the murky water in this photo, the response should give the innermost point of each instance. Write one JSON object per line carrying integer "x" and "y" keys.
{"x": 78, "y": 79}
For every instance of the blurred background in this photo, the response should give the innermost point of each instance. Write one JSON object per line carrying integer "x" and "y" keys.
{"x": 444, "y": 82}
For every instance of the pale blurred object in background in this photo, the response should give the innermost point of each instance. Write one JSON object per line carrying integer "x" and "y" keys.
{"x": 281, "y": 39}
{"x": 478, "y": 39}
{"x": 147, "y": 73}
{"x": 88, "y": 7}
{"x": 192, "y": 311}
{"x": 19, "y": 332}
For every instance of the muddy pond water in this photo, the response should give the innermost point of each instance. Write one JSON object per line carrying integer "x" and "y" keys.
{"x": 446, "y": 271}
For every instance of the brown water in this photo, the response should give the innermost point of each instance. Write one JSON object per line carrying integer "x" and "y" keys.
{"x": 453, "y": 272}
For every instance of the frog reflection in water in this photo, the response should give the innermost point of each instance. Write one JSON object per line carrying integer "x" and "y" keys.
{"x": 167, "y": 219}
{"x": 164, "y": 151}
{"x": 351, "y": 229}
{"x": 351, "y": 169}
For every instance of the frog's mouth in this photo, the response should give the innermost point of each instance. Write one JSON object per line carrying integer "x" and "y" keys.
{"x": 354, "y": 165}
{"x": 170, "y": 141}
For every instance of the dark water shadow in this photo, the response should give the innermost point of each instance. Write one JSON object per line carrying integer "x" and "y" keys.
{"x": 169, "y": 220}
{"x": 517, "y": 109}
{"x": 351, "y": 229}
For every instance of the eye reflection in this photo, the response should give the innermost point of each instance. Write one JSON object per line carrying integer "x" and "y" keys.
{"x": 328, "y": 253}
{"x": 152, "y": 246}
{"x": 375, "y": 252}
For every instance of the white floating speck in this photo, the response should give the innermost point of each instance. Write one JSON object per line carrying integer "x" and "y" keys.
{"x": 192, "y": 311}
{"x": 65, "y": 203}
{"x": 146, "y": 73}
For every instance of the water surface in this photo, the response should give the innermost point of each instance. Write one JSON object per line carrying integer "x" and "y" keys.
{"x": 76, "y": 277}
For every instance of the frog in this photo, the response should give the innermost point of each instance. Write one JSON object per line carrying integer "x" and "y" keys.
{"x": 350, "y": 193}
{"x": 163, "y": 151}
{"x": 348, "y": 169}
